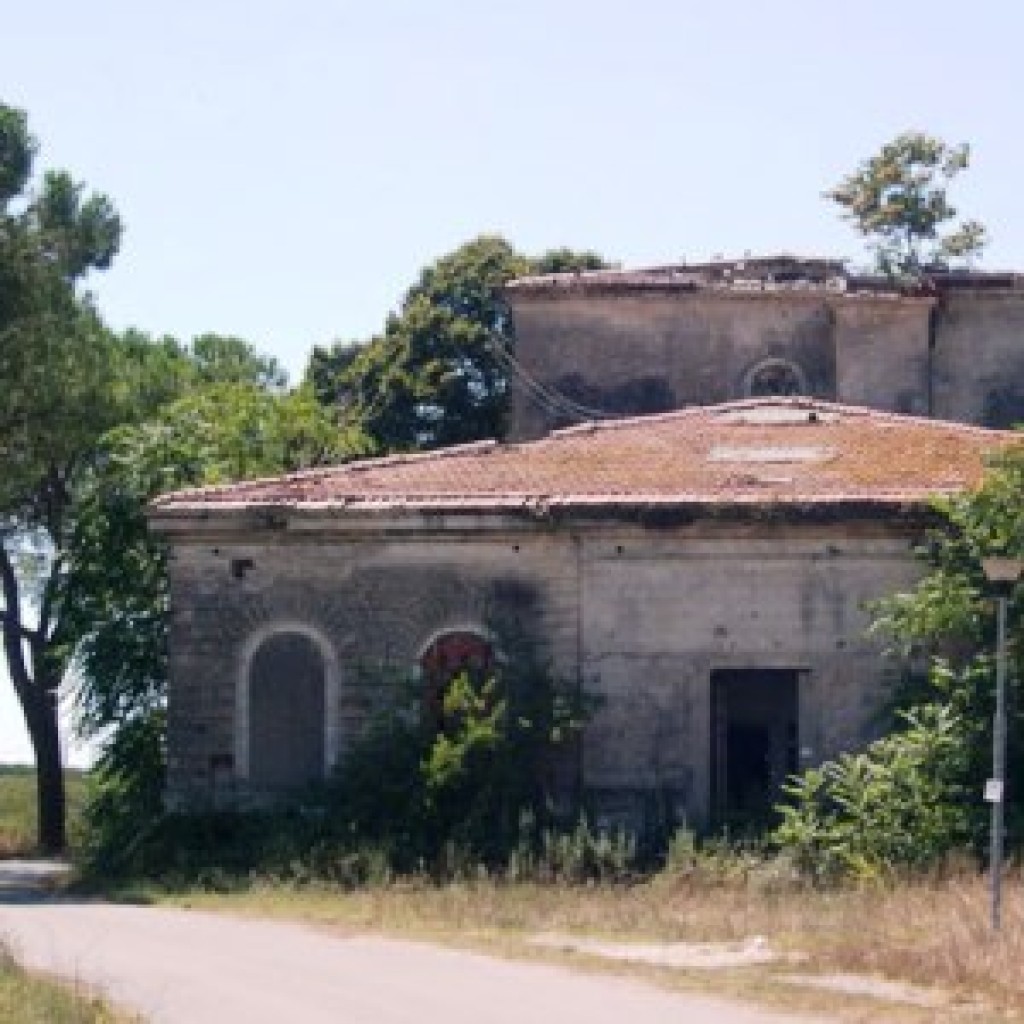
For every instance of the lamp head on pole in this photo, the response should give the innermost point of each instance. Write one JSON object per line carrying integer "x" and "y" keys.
{"x": 1002, "y": 572}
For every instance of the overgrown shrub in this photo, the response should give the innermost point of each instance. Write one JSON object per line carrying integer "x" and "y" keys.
{"x": 430, "y": 791}
{"x": 124, "y": 796}
{"x": 897, "y": 805}
{"x": 948, "y": 621}
{"x": 911, "y": 798}
{"x": 438, "y": 790}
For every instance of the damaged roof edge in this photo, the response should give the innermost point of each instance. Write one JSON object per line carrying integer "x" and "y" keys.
{"x": 655, "y": 512}
{"x": 766, "y": 276}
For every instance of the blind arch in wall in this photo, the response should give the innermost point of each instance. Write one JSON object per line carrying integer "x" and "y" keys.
{"x": 287, "y": 705}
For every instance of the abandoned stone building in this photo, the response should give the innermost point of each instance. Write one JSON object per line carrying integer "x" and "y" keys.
{"x": 704, "y": 571}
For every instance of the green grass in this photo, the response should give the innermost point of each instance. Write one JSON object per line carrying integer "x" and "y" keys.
{"x": 29, "y": 999}
{"x": 18, "y": 808}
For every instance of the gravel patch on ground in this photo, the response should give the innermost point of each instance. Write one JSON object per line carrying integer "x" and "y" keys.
{"x": 753, "y": 952}
{"x": 875, "y": 988}
{"x": 690, "y": 955}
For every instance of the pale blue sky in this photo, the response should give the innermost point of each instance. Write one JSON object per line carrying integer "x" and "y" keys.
{"x": 285, "y": 169}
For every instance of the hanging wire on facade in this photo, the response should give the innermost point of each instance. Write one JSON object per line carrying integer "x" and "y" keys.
{"x": 550, "y": 400}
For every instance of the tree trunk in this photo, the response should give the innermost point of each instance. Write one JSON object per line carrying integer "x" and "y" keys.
{"x": 37, "y": 694}
{"x": 50, "y": 797}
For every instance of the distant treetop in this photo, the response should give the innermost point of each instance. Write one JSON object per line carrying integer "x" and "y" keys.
{"x": 898, "y": 201}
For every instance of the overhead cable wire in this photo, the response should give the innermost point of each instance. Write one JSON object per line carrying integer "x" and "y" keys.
{"x": 548, "y": 401}
{"x": 551, "y": 400}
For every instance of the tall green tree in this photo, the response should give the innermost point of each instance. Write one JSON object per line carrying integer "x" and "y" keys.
{"x": 432, "y": 377}
{"x": 152, "y": 371}
{"x": 567, "y": 261}
{"x": 898, "y": 200}
{"x": 67, "y": 381}
{"x": 157, "y": 370}
{"x": 327, "y": 372}
{"x": 220, "y": 358}
{"x": 58, "y": 365}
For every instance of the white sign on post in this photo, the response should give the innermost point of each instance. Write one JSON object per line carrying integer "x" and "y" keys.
{"x": 994, "y": 791}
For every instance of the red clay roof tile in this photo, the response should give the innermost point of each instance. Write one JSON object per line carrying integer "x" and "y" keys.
{"x": 766, "y": 452}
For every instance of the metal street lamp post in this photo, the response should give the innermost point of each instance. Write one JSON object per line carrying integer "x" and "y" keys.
{"x": 1002, "y": 574}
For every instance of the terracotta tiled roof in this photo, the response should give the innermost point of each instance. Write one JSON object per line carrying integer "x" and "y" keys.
{"x": 763, "y": 452}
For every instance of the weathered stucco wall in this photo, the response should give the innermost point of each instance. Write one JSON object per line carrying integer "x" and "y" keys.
{"x": 653, "y": 352}
{"x": 959, "y": 356}
{"x": 660, "y": 616}
{"x": 882, "y": 347}
{"x": 640, "y": 617}
{"x": 979, "y": 358}
{"x": 373, "y": 605}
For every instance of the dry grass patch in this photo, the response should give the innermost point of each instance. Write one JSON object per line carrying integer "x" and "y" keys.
{"x": 930, "y": 933}
{"x": 27, "y": 998}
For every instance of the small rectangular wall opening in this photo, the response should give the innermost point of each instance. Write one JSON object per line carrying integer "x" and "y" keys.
{"x": 754, "y": 742}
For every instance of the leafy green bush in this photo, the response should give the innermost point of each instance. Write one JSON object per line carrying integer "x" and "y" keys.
{"x": 438, "y": 791}
{"x": 911, "y": 798}
{"x": 948, "y": 619}
{"x": 124, "y": 796}
{"x": 899, "y": 804}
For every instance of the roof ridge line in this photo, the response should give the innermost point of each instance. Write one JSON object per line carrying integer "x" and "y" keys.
{"x": 809, "y": 402}
{"x": 709, "y": 412}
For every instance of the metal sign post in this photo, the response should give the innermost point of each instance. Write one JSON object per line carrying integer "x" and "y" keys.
{"x": 1002, "y": 574}
{"x": 997, "y": 784}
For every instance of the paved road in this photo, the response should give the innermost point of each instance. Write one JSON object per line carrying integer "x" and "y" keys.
{"x": 191, "y": 967}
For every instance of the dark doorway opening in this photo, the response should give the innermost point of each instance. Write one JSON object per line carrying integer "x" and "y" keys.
{"x": 754, "y": 742}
